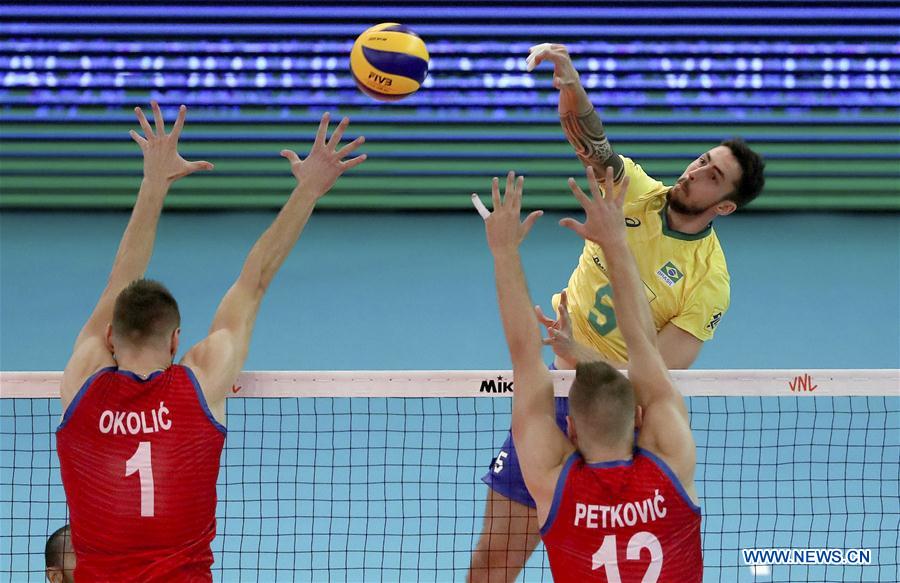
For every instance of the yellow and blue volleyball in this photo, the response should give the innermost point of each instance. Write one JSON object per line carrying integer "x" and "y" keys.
{"x": 389, "y": 61}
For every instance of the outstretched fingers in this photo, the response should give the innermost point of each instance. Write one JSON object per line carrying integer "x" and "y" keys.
{"x": 562, "y": 310}
{"x": 142, "y": 119}
{"x": 579, "y": 194}
{"x": 338, "y": 134}
{"x": 495, "y": 194}
{"x": 158, "y": 116}
{"x": 137, "y": 138}
{"x": 545, "y": 320}
{"x": 179, "y": 123}
{"x": 323, "y": 130}
{"x": 509, "y": 194}
{"x": 609, "y": 187}
{"x": 200, "y": 165}
{"x": 353, "y": 162}
{"x": 573, "y": 225}
{"x": 611, "y": 193}
{"x": 291, "y": 156}
{"x": 483, "y": 212}
{"x": 529, "y": 222}
{"x": 351, "y": 147}
{"x": 594, "y": 184}
{"x": 520, "y": 184}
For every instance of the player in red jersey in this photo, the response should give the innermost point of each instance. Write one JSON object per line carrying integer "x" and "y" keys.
{"x": 141, "y": 438}
{"x": 609, "y": 511}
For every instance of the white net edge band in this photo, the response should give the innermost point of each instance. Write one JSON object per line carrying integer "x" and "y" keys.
{"x": 474, "y": 383}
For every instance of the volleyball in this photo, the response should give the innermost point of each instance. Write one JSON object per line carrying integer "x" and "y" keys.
{"x": 389, "y": 62}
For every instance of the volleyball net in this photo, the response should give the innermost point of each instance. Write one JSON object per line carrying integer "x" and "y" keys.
{"x": 375, "y": 476}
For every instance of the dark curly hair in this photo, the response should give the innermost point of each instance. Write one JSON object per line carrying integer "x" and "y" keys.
{"x": 752, "y": 166}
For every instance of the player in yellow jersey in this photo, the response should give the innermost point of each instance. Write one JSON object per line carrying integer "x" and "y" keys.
{"x": 682, "y": 268}
{"x": 684, "y": 274}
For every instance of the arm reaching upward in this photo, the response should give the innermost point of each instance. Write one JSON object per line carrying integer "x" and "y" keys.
{"x": 163, "y": 165}
{"x": 218, "y": 358}
{"x": 666, "y": 428}
{"x": 579, "y": 119}
{"x": 542, "y": 447}
{"x": 605, "y": 225}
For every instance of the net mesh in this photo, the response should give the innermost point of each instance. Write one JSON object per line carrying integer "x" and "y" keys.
{"x": 388, "y": 488}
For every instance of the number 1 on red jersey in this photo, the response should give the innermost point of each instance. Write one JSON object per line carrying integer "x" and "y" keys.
{"x": 140, "y": 463}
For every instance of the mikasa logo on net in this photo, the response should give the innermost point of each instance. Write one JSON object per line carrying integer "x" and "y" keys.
{"x": 496, "y": 386}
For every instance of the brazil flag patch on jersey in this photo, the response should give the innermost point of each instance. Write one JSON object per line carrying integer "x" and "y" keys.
{"x": 669, "y": 274}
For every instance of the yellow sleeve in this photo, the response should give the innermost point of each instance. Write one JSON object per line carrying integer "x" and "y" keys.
{"x": 706, "y": 306}
{"x": 641, "y": 185}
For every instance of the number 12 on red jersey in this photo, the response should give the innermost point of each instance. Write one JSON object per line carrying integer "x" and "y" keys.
{"x": 605, "y": 557}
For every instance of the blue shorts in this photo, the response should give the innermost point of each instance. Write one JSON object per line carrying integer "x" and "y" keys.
{"x": 505, "y": 475}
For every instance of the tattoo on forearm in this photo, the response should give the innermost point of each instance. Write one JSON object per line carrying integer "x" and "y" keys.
{"x": 586, "y": 134}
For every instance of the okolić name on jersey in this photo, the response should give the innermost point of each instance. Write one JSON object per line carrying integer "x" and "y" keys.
{"x": 133, "y": 422}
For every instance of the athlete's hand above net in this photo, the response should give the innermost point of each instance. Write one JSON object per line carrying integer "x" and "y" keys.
{"x": 161, "y": 158}
{"x": 559, "y": 331}
{"x": 504, "y": 230}
{"x": 325, "y": 163}
{"x": 604, "y": 221}
{"x": 564, "y": 72}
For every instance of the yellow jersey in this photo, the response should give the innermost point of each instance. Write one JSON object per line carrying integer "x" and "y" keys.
{"x": 684, "y": 275}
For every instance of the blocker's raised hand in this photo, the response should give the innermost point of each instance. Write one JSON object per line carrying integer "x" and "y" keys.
{"x": 325, "y": 163}
{"x": 604, "y": 221}
{"x": 504, "y": 230}
{"x": 161, "y": 158}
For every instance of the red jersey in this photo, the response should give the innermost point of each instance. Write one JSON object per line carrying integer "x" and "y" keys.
{"x": 626, "y": 521}
{"x": 139, "y": 460}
